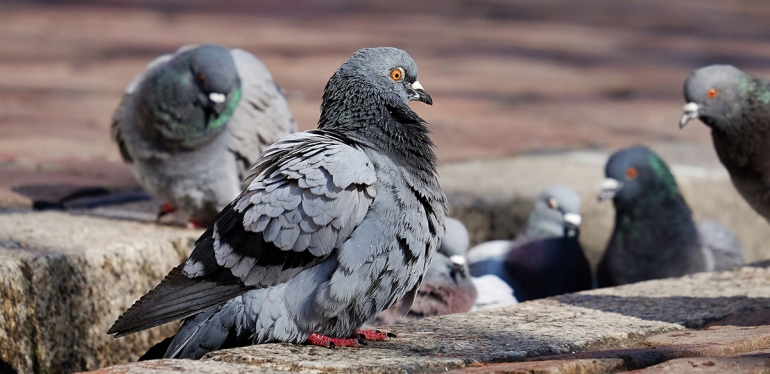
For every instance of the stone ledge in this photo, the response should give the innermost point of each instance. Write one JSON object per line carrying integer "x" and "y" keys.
{"x": 613, "y": 318}
{"x": 64, "y": 279}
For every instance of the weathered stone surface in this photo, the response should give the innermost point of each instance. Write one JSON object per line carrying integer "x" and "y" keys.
{"x": 615, "y": 318}
{"x": 64, "y": 279}
{"x": 182, "y": 366}
{"x": 585, "y": 366}
{"x": 759, "y": 364}
{"x": 755, "y": 318}
{"x": 716, "y": 341}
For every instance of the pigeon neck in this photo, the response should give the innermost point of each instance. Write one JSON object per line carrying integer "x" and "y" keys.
{"x": 657, "y": 222}
{"x": 395, "y": 130}
{"x": 738, "y": 130}
{"x": 178, "y": 121}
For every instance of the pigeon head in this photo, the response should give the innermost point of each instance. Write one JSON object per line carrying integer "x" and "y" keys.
{"x": 455, "y": 244}
{"x": 712, "y": 95}
{"x": 635, "y": 173}
{"x": 456, "y": 240}
{"x": 368, "y": 79}
{"x": 183, "y": 103}
{"x": 556, "y": 212}
{"x": 215, "y": 75}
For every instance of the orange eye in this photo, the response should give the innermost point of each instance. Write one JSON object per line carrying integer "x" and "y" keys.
{"x": 631, "y": 173}
{"x": 201, "y": 78}
{"x": 712, "y": 93}
{"x": 397, "y": 74}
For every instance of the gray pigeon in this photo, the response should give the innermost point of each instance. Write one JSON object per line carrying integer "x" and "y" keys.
{"x": 195, "y": 122}
{"x": 336, "y": 225}
{"x": 655, "y": 235}
{"x": 447, "y": 287}
{"x": 736, "y": 106}
{"x": 546, "y": 258}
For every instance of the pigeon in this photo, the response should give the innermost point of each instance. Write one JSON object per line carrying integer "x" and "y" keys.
{"x": 546, "y": 258}
{"x": 195, "y": 122}
{"x": 336, "y": 225}
{"x": 655, "y": 235}
{"x": 447, "y": 287}
{"x": 736, "y": 106}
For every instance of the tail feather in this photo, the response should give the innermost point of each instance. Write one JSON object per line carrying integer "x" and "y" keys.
{"x": 176, "y": 297}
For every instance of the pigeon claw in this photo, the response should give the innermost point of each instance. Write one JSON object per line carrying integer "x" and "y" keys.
{"x": 166, "y": 208}
{"x": 327, "y": 342}
{"x": 375, "y": 335}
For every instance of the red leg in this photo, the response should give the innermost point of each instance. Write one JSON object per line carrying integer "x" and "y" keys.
{"x": 374, "y": 335}
{"x": 166, "y": 208}
{"x": 327, "y": 342}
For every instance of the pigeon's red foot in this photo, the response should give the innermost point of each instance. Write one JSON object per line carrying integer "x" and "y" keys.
{"x": 327, "y": 342}
{"x": 166, "y": 208}
{"x": 374, "y": 335}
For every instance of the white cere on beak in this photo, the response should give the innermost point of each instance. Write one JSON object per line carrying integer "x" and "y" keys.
{"x": 690, "y": 112}
{"x": 217, "y": 97}
{"x": 610, "y": 184}
{"x": 573, "y": 219}
{"x": 417, "y": 86}
{"x": 457, "y": 259}
{"x": 609, "y": 187}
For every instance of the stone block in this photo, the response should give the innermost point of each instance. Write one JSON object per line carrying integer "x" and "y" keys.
{"x": 610, "y": 323}
{"x": 715, "y": 365}
{"x": 64, "y": 280}
{"x": 585, "y": 366}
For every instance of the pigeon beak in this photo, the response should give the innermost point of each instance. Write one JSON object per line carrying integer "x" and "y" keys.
{"x": 218, "y": 101}
{"x": 573, "y": 220}
{"x": 610, "y": 186}
{"x": 690, "y": 113}
{"x": 419, "y": 94}
{"x": 458, "y": 263}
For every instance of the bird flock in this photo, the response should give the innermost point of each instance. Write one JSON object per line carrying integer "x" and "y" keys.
{"x": 317, "y": 237}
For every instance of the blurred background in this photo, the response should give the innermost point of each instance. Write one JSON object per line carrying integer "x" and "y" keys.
{"x": 508, "y": 77}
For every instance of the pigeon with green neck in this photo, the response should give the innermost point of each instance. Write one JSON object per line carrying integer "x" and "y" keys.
{"x": 655, "y": 235}
{"x": 195, "y": 122}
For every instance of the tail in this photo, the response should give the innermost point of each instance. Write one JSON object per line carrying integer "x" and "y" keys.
{"x": 721, "y": 245}
{"x": 213, "y": 329}
{"x": 177, "y": 297}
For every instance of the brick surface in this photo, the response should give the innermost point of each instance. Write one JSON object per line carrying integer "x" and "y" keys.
{"x": 585, "y": 366}
{"x": 759, "y": 364}
{"x": 755, "y": 318}
{"x": 714, "y": 342}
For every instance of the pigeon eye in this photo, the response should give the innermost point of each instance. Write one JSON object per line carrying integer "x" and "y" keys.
{"x": 397, "y": 74}
{"x": 201, "y": 78}
{"x": 631, "y": 173}
{"x": 712, "y": 93}
{"x": 552, "y": 203}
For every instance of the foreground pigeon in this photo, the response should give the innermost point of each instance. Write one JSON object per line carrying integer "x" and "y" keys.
{"x": 546, "y": 258}
{"x": 655, "y": 235}
{"x": 736, "y": 106}
{"x": 336, "y": 225}
{"x": 447, "y": 287}
{"x": 195, "y": 122}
